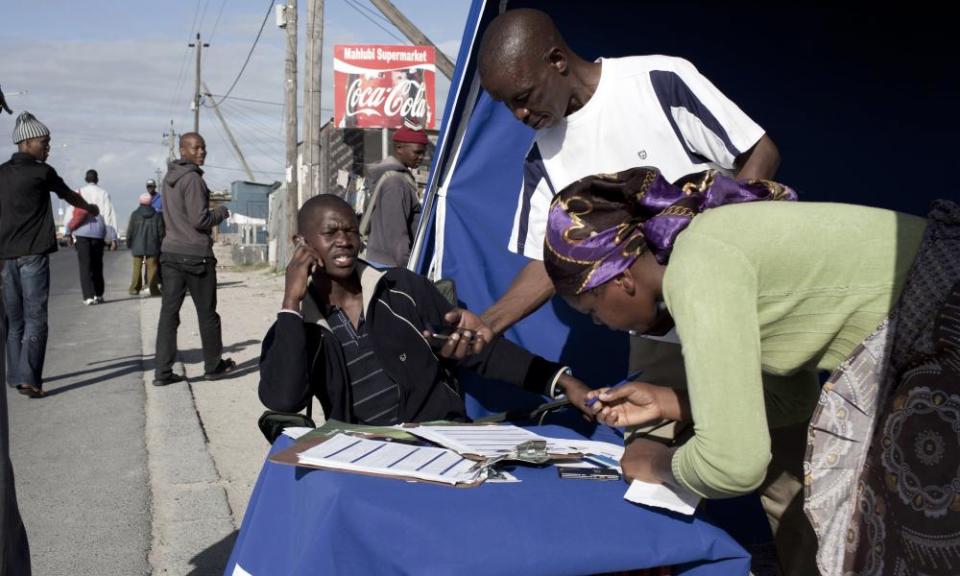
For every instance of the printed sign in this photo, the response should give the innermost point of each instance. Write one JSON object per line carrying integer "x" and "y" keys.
{"x": 379, "y": 86}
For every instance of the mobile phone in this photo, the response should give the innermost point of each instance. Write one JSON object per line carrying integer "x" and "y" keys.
{"x": 442, "y": 331}
{"x": 589, "y": 473}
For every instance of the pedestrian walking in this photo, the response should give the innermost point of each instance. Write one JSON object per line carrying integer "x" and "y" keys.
{"x": 27, "y": 237}
{"x": 144, "y": 234}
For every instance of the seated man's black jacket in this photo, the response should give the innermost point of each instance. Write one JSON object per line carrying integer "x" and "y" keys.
{"x": 302, "y": 357}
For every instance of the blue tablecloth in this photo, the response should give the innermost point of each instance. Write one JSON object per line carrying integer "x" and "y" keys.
{"x": 301, "y": 521}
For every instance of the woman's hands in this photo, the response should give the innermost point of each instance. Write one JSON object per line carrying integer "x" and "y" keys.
{"x": 638, "y": 403}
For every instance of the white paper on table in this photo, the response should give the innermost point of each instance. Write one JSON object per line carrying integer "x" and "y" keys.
{"x": 238, "y": 571}
{"x": 350, "y": 453}
{"x": 296, "y": 431}
{"x": 660, "y": 496}
{"x": 486, "y": 440}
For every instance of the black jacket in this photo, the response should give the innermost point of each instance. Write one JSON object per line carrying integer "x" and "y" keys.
{"x": 303, "y": 358}
{"x": 186, "y": 211}
{"x": 26, "y": 216}
{"x": 145, "y": 231}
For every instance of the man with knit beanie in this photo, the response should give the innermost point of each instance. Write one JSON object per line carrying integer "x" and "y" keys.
{"x": 391, "y": 210}
{"x": 144, "y": 234}
{"x": 27, "y": 237}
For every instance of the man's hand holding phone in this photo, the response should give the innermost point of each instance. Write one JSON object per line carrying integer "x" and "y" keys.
{"x": 462, "y": 334}
{"x": 303, "y": 263}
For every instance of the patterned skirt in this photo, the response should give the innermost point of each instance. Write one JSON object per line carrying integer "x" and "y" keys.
{"x": 882, "y": 470}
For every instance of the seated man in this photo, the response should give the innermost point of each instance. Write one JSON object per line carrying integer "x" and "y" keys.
{"x": 355, "y": 337}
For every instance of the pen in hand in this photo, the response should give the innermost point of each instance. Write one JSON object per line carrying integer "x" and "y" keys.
{"x": 629, "y": 378}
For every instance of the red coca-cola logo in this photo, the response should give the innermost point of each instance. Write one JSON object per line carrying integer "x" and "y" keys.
{"x": 375, "y": 99}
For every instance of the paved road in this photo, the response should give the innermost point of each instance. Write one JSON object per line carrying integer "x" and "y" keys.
{"x": 79, "y": 454}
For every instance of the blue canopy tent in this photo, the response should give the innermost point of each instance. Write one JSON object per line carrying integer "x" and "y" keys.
{"x": 859, "y": 99}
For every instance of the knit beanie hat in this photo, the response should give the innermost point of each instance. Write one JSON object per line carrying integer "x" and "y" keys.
{"x": 409, "y": 135}
{"x": 28, "y": 127}
{"x": 145, "y": 199}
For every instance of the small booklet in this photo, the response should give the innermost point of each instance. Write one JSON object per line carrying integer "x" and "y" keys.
{"x": 391, "y": 459}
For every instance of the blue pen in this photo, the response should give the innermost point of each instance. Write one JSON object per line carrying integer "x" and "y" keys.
{"x": 629, "y": 378}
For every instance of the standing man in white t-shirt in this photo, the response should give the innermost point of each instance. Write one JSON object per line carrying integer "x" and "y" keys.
{"x": 604, "y": 117}
{"x": 601, "y": 117}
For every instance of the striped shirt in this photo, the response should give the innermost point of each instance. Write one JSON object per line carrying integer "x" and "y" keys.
{"x": 376, "y": 398}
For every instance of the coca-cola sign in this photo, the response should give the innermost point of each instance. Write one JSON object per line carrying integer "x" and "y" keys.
{"x": 379, "y": 86}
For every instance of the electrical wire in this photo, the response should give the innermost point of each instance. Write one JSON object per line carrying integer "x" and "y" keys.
{"x": 275, "y": 172}
{"x": 250, "y": 53}
{"x": 373, "y": 11}
{"x": 216, "y": 23}
{"x": 359, "y": 11}
{"x": 183, "y": 61}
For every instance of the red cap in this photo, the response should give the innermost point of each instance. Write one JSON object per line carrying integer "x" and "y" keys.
{"x": 405, "y": 134}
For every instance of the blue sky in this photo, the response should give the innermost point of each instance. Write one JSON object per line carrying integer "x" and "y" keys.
{"x": 108, "y": 76}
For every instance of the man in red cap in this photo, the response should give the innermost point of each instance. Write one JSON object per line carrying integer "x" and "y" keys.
{"x": 391, "y": 210}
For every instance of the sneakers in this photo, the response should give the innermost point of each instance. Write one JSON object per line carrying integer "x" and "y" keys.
{"x": 99, "y": 299}
{"x": 225, "y": 367}
{"x": 173, "y": 378}
{"x": 89, "y": 301}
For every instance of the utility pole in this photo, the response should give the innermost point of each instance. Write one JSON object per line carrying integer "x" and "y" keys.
{"x": 290, "y": 105}
{"x": 313, "y": 73}
{"x": 413, "y": 34}
{"x": 233, "y": 141}
{"x": 171, "y": 137}
{"x": 196, "y": 92}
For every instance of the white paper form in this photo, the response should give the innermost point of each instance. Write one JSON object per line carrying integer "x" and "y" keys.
{"x": 350, "y": 453}
{"x": 486, "y": 441}
{"x": 677, "y": 498}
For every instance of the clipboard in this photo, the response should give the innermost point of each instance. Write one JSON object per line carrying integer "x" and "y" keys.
{"x": 290, "y": 457}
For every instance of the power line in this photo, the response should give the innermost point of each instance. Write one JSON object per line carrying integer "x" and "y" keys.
{"x": 183, "y": 61}
{"x": 257, "y": 101}
{"x": 372, "y": 11}
{"x": 216, "y": 23}
{"x": 374, "y": 22}
{"x": 250, "y": 53}
{"x": 275, "y": 172}
{"x": 203, "y": 14}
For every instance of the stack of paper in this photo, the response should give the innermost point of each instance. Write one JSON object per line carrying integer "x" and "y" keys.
{"x": 343, "y": 452}
{"x": 486, "y": 440}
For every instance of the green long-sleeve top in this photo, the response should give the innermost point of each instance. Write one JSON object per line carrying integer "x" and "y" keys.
{"x": 763, "y": 295}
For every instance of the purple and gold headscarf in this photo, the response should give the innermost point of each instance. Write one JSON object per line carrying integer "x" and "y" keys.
{"x": 599, "y": 225}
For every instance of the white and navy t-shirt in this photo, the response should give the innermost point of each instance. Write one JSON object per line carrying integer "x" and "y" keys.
{"x": 646, "y": 111}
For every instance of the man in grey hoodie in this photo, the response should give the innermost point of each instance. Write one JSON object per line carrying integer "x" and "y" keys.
{"x": 187, "y": 263}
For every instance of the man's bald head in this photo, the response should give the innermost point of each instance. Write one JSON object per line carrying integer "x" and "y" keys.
{"x": 314, "y": 209}
{"x": 517, "y": 37}
{"x": 525, "y": 63}
{"x": 193, "y": 148}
